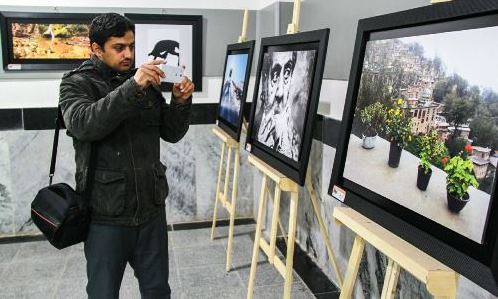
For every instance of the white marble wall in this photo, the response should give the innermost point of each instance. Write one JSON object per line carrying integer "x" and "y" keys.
{"x": 192, "y": 170}
{"x": 309, "y": 238}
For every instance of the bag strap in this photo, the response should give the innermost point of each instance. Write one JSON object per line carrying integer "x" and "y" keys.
{"x": 59, "y": 124}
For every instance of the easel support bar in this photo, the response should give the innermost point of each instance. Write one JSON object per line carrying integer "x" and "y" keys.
{"x": 285, "y": 184}
{"x": 440, "y": 280}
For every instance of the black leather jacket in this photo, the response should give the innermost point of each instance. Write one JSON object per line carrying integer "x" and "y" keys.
{"x": 107, "y": 109}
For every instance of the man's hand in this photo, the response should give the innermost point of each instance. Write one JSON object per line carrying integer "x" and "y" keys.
{"x": 183, "y": 91}
{"x": 149, "y": 73}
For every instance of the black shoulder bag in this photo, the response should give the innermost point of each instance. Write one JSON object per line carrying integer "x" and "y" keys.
{"x": 61, "y": 213}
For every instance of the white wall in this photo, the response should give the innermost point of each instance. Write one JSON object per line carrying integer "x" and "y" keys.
{"x": 160, "y": 4}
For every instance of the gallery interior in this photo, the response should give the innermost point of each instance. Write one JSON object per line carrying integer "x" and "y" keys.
{"x": 335, "y": 149}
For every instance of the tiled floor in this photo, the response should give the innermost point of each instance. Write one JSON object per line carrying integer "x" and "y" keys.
{"x": 197, "y": 269}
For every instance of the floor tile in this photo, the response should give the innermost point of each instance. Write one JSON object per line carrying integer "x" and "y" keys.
{"x": 266, "y": 275}
{"x": 197, "y": 269}
{"x": 8, "y": 251}
{"x": 75, "y": 268}
{"x": 194, "y": 238}
{"x": 40, "y": 250}
{"x": 33, "y": 270}
{"x": 200, "y": 256}
{"x": 298, "y": 291}
{"x": 72, "y": 289}
{"x": 208, "y": 276}
{"x": 27, "y": 290}
{"x": 214, "y": 292}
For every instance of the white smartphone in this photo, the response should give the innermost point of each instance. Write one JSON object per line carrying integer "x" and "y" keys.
{"x": 174, "y": 74}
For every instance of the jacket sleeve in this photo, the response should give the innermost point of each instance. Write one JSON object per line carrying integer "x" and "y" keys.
{"x": 175, "y": 120}
{"x": 90, "y": 120}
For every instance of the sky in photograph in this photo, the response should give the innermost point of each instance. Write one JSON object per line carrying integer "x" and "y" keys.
{"x": 238, "y": 63}
{"x": 473, "y": 54}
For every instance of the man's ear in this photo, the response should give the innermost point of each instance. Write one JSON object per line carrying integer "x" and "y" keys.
{"x": 97, "y": 50}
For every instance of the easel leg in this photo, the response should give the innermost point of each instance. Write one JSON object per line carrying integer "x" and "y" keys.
{"x": 213, "y": 227}
{"x": 274, "y": 220}
{"x": 227, "y": 174}
{"x": 290, "y": 245}
{"x": 282, "y": 230}
{"x": 257, "y": 237}
{"x": 390, "y": 280}
{"x": 323, "y": 230}
{"x": 353, "y": 267}
{"x": 232, "y": 208}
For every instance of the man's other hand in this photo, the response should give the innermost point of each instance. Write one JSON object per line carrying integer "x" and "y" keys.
{"x": 149, "y": 73}
{"x": 183, "y": 91}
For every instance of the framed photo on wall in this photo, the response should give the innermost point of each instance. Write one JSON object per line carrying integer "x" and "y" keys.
{"x": 285, "y": 101}
{"x": 419, "y": 132}
{"x": 175, "y": 38}
{"x": 233, "y": 93}
{"x": 44, "y": 41}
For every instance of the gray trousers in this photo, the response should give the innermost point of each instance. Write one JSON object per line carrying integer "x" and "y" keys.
{"x": 109, "y": 248}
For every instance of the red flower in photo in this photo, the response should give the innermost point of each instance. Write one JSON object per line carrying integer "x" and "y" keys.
{"x": 468, "y": 148}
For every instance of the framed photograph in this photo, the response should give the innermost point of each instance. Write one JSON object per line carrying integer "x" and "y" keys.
{"x": 175, "y": 38}
{"x": 44, "y": 41}
{"x": 233, "y": 93}
{"x": 418, "y": 149}
{"x": 288, "y": 82}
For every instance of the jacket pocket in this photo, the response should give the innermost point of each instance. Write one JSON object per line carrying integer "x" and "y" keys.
{"x": 161, "y": 188}
{"x": 108, "y": 192}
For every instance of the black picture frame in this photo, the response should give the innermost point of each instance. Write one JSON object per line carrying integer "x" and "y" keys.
{"x": 311, "y": 40}
{"x": 10, "y": 64}
{"x": 197, "y": 44}
{"x": 478, "y": 262}
{"x": 238, "y": 48}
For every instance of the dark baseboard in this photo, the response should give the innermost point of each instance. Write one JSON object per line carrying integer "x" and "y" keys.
{"x": 171, "y": 227}
{"x": 319, "y": 284}
{"x": 205, "y": 224}
{"x": 19, "y": 239}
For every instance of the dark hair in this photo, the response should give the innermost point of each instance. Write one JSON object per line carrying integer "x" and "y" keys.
{"x": 108, "y": 25}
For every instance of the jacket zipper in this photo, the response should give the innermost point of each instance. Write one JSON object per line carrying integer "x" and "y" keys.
{"x": 134, "y": 175}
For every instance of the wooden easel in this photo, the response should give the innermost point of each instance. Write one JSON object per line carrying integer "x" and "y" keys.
{"x": 441, "y": 281}
{"x": 222, "y": 197}
{"x": 283, "y": 184}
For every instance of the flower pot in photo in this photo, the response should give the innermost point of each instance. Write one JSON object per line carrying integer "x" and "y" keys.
{"x": 423, "y": 178}
{"x": 368, "y": 142}
{"x": 394, "y": 155}
{"x": 456, "y": 204}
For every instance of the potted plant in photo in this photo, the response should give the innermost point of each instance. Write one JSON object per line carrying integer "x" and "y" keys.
{"x": 460, "y": 176}
{"x": 431, "y": 150}
{"x": 398, "y": 130}
{"x": 372, "y": 117}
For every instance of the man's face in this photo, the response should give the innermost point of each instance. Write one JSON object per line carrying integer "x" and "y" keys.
{"x": 280, "y": 76}
{"x": 118, "y": 52}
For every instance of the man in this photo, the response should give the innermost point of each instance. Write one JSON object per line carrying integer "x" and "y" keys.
{"x": 277, "y": 129}
{"x": 120, "y": 114}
